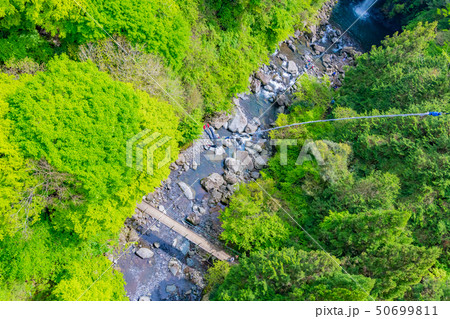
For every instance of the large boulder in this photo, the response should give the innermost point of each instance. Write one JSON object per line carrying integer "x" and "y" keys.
{"x": 318, "y": 48}
{"x": 230, "y": 178}
{"x": 255, "y": 175}
{"x": 292, "y": 67}
{"x": 145, "y": 298}
{"x": 327, "y": 59}
{"x": 233, "y": 165}
{"x": 255, "y": 85}
{"x": 219, "y": 152}
{"x": 349, "y": 50}
{"x": 219, "y": 120}
{"x": 171, "y": 289}
{"x": 257, "y": 148}
{"x": 216, "y": 196}
{"x": 145, "y": 253}
{"x": 252, "y": 125}
{"x": 282, "y": 100}
{"x": 213, "y": 181}
{"x": 133, "y": 235}
{"x": 181, "y": 160}
{"x": 184, "y": 247}
{"x": 260, "y": 162}
{"x": 238, "y": 122}
{"x": 245, "y": 159}
{"x": 263, "y": 77}
{"x": 187, "y": 190}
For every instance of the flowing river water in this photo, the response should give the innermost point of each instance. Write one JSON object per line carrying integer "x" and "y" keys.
{"x": 175, "y": 271}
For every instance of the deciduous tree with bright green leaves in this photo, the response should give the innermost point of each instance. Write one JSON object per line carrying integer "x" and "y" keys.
{"x": 79, "y": 120}
{"x": 15, "y": 178}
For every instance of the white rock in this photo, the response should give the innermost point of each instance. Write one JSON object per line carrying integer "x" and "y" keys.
{"x": 265, "y": 78}
{"x": 219, "y": 120}
{"x": 187, "y": 190}
{"x": 230, "y": 178}
{"x": 145, "y": 253}
{"x": 219, "y": 151}
{"x": 260, "y": 162}
{"x": 257, "y": 148}
{"x": 252, "y": 125}
{"x": 193, "y": 219}
{"x": 292, "y": 67}
{"x": 238, "y": 122}
{"x": 184, "y": 247}
{"x": 233, "y": 165}
{"x": 246, "y": 161}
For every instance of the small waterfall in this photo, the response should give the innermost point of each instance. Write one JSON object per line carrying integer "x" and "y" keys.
{"x": 361, "y": 9}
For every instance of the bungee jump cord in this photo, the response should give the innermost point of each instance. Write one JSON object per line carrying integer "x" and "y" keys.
{"x": 432, "y": 113}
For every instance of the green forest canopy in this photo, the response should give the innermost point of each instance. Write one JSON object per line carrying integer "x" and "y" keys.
{"x": 380, "y": 201}
{"x": 69, "y": 103}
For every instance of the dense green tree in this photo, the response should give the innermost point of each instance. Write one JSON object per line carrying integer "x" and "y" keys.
{"x": 21, "y": 45}
{"x": 252, "y": 222}
{"x": 412, "y": 12}
{"x": 351, "y": 234}
{"x": 212, "y": 61}
{"x": 148, "y": 73}
{"x": 48, "y": 14}
{"x": 291, "y": 274}
{"x": 79, "y": 120}
{"x": 434, "y": 286}
{"x": 397, "y": 74}
{"x": 160, "y": 25}
{"x": 90, "y": 280}
{"x": 416, "y": 150}
{"x": 395, "y": 267}
{"x": 216, "y": 275}
{"x": 15, "y": 178}
{"x": 50, "y": 265}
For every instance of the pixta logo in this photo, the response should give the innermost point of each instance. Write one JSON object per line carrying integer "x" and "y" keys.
{"x": 146, "y": 145}
{"x": 309, "y": 147}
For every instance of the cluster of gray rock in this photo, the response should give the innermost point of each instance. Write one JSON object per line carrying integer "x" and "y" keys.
{"x": 334, "y": 64}
{"x": 237, "y": 123}
{"x": 271, "y": 81}
{"x": 244, "y": 165}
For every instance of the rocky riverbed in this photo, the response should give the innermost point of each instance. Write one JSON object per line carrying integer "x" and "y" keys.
{"x": 161, "y": 264}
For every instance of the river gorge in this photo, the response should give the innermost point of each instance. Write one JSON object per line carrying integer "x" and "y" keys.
{"x": 203, "y": 179}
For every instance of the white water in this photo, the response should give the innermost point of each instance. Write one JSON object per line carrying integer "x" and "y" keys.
{"x": 361, "y": 10}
